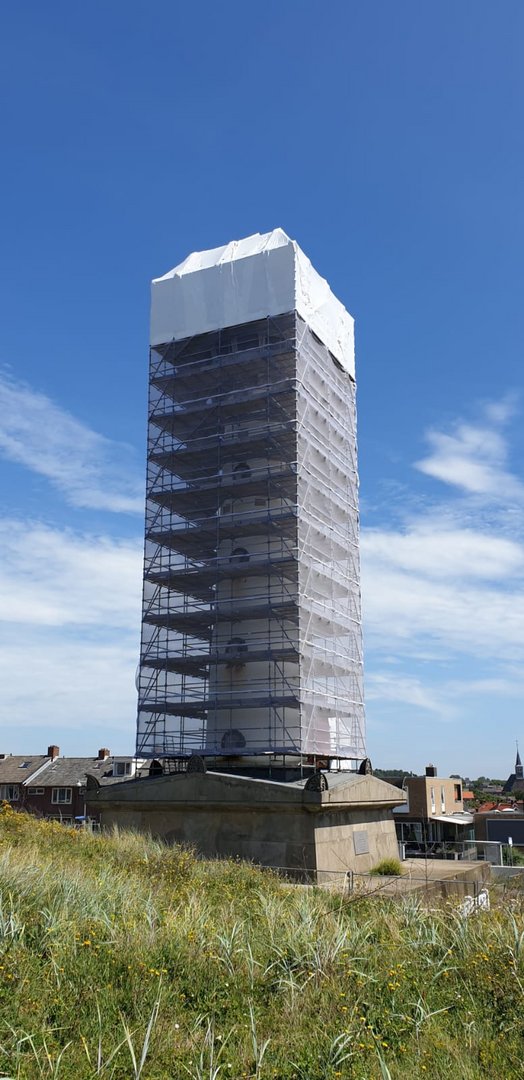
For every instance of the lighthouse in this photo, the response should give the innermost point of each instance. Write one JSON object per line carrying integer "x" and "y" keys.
{"x": 251, "y": 647}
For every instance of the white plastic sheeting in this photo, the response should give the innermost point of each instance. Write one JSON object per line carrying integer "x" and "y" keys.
{"x": 263, "y": 275}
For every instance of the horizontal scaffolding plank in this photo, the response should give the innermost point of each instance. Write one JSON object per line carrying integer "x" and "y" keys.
{"x": 271, "y": 440}
{"x": 201, "y": 498}
{"x": 171, "y": 377}
{"x": 201, "y": 622}
{"x": 200, "y": 663}
{"x": 203, "y": 707}
{"x": 199, "y": 582}
{"x": 204, "y": 538}
{"x": 181, "y": 417}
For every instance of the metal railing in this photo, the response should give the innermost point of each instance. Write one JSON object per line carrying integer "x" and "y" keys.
{"x": 492, "y": 851}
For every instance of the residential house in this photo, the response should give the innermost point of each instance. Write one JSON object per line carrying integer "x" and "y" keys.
{"x": 433, "y": 821}
{"x": 54, "y": 787}
{"x": 17, "y": 772}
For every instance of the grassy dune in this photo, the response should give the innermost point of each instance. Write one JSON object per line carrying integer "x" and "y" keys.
{"x": 122, "y": 958}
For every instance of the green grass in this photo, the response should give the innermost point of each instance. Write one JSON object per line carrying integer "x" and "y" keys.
{"x": 387, "y": 868}
{"x": 125, "y": 959}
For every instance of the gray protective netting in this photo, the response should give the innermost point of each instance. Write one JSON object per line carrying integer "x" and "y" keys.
{"x": 251, "y": 636}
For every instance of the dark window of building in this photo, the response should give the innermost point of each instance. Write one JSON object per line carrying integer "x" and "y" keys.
{"x": 233, "y": 740}
{"x": 458, "y": 792}
{"x": 122, "y": 768}
{"x": 236, "y": 647}
{"x": 239, "y": 555}
{"x": 35, "y": 791}
{"x": 61, "y": 795}
{"x": 242, "y": 471}
{"x": 9, "y": 792}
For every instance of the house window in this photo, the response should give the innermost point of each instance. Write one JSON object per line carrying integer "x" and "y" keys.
{"x": 458, "y": 793}
{"x": 61, "y": 795}
{"x": 442, "y": 799}
{"x": 122, "y": 768}
{"x": 35, "y": 791}
{"x": 432, "y": 796}
{"x": 10, "y": 792}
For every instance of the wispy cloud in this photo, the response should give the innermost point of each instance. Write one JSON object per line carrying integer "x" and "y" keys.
{"x": 427, "y": 547}
{"x": 89, "y": 470}
{"x": 474, "y": 457}
{"x": 410, "y": 691}
{"x": 409, "y": 610}
{"x": 54, "y": 577}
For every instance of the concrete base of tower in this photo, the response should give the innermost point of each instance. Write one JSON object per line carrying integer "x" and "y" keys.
{"x": 347, "y": 826}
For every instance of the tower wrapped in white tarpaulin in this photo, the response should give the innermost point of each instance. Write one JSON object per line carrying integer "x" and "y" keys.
{"x": 251, "y": 628}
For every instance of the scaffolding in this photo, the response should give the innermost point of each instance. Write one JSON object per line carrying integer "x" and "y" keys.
{"x": 251, "y": 625}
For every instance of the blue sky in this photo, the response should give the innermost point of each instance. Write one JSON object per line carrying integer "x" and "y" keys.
{"x": 388, "y": 140}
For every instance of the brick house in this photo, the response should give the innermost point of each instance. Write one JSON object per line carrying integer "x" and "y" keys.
{"x": 54, "y": 787}
{"x": 16, "y": 773}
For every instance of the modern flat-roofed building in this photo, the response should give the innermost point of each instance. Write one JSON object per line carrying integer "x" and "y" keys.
{"x": 251, "y": 626}
{"x": 433, "y": 821}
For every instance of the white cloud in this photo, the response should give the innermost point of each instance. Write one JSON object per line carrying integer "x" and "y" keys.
{"x": 473, "y": 457}
{"x": 57, "y": 681}
{"x": 411, "y": 609}
{"x": 57, "y": 577}
{"x": 70, "y": 608}
{"x": 436, "y": 552}
{"x": 89, "y": 470}
{"x": 443, "y": 591}
{"x": 410, "y": 691}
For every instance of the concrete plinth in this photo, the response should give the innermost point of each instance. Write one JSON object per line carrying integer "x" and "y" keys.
{"x": 349, "y": 826}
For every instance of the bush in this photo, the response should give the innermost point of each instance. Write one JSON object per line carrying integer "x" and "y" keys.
{"x": 387, "y": 868}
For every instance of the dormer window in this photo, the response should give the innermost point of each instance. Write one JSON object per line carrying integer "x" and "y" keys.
{"x": 123, "y": 768}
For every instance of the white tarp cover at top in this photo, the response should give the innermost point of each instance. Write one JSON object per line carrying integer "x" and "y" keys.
{"x": 263, "y": 275}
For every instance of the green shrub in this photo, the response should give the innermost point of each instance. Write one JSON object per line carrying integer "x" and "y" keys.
{"x": 387, "y": 868}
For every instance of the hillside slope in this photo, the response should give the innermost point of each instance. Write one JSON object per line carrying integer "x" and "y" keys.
{"x": 122, "y": 958}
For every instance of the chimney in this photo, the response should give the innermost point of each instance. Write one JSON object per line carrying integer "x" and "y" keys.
{"x": 103, "y": 753}
{"x": 431, "y": 770}
{"x": 53, "y": 752}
